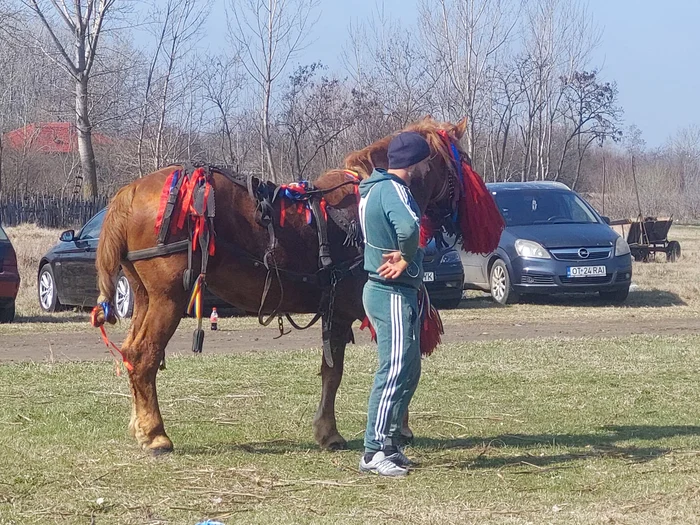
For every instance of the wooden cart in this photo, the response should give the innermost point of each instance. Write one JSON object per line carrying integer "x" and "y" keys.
{"x": 647, "y": 236}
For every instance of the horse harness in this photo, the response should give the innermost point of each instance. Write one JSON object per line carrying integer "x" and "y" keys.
{"x": 189, "y": 193}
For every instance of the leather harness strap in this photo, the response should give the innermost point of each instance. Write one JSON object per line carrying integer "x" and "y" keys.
{"x": 264, "y": 194}
{"x": 158, "y": 251}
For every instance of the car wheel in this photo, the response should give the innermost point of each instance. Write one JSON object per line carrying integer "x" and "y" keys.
{"x": 7, "y": 313}
{"x": 616, "y": 296}
{"x": 123, "y": 298}
{"x": 48, "y": 294}
{"x": 501, "y": 289}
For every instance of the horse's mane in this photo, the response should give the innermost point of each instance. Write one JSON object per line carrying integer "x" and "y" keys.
{"x": 365, "y": 160}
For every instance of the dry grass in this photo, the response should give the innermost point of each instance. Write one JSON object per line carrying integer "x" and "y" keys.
{"x": 681, "y": 279}
{"x": 31, "y": 242}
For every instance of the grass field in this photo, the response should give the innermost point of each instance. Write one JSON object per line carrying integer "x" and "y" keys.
{"x": 593, "y": 430}
{"x": 543, "y": 431}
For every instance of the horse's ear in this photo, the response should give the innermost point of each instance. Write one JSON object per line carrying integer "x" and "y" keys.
{"x": 460, "y": 128}
{"x": 428, "y": 117}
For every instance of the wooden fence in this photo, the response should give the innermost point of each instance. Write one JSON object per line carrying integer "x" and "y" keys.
{"x": 49, "y": 211}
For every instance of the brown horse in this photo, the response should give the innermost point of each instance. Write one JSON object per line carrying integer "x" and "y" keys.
{"x": 235, "y": 273}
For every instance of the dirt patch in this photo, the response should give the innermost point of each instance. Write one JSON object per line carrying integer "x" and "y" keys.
{"x": 43, "y": 347}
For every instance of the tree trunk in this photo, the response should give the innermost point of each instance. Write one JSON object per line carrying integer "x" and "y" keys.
{"x": 85, "y": 150}
{"x": 1, "y": 165}
{"x": 267, "y": 141}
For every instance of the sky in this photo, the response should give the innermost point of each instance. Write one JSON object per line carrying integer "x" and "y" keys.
{"x": 651, "y": 49}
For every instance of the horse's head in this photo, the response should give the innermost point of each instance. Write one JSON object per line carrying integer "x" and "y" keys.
{"x": 439, "y": 191}
{"x": 450, "y": 195}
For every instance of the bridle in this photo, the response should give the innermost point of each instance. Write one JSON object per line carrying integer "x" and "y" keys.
{"x": 444, "y": 210}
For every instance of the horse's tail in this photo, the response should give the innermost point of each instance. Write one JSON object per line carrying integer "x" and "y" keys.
{"x": 111, "y": 250}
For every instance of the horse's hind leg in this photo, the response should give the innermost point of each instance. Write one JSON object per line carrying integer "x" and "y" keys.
{"x": 137, "y": 317}
{"x": 140, "y": 304}
{"x": 325, "y": 429}
{"x": 145, "y": 352}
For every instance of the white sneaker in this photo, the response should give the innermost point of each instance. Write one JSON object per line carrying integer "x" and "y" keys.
{"x": 401, "y": 459}
{"x": 383, "y": 465}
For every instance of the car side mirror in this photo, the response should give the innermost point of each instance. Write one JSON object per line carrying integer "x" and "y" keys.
{"x": 606, "y": 220}
{"x": 68, "y": 236}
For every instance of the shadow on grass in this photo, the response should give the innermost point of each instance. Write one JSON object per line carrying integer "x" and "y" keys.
{"x": 636, "y": 299}
{"x": 532, "y": 464}
{"x": 58, "y": 319}
{"x": 477, "y": 303}
{"x": 273, "y": 447}
{"x": 653, "y": 298}
{"x": 594, "y": 445}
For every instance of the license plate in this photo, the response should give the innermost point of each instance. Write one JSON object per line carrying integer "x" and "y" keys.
{"x": 586, "y": 271}
{"x": 429, "y": 277}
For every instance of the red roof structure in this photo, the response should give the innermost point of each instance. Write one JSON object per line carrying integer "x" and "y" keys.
{"x": 49, "y": 137}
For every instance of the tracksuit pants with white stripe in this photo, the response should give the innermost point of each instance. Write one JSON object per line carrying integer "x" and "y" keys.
{"x": 393, "y": 311}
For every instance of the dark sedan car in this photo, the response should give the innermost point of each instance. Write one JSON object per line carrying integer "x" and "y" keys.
{"x": 443, "y": 275}
{"x": 554, "y": 242}
{"x": 68, "y": 277}
{"x": 9, "y": 279}
{"x": 67, "y": 274}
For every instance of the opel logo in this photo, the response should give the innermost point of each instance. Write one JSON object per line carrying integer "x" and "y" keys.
{"x": 583, "y": 253}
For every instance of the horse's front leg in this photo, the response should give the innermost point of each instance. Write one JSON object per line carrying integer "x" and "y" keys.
{"x": 325, "y": 429}
{"x": 406, "y": 432}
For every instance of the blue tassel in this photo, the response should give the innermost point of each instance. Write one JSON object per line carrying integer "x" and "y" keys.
{"x": 105, "y": 309}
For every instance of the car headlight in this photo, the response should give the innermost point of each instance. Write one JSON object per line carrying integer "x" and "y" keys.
{"x": 450, "y": 257}
{"x": 531, "y": 249}
{"x": 621, "y": 247}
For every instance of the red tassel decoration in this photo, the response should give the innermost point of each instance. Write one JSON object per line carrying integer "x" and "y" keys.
{"x": 430, "y": 331}
{"x": 480, "y": 220}
{"x": 367, "y": 324}
{"x": 427, "y": 231}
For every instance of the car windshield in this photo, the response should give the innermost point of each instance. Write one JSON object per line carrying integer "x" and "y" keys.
{"x": 528, "y": 207}
{"x": 93, "y": 227}
{"x": 3, "y": 235}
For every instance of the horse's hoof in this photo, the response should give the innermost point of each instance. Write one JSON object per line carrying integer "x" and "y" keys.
{"x": 335, "y": 444}
{"x": 160, "y": 451}
{"x": 159, "y": 446}
{"x": 335, "y": 447}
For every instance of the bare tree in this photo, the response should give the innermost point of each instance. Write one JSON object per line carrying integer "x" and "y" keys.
{"x": 183, "y": 19}
{"x": 267, "y": 34}
{"x": 559, "y": 36}
{"x": 685, "y": 152}
{"x": 391, "y": 66}
{"x": 591, "y": 109}
{"x": 85, "y": 20}
{"x": 315, "y": 112}
{"x": 505, "y": 94}
{"x": 222, "y": 88}
{"x": 463, "y": 37}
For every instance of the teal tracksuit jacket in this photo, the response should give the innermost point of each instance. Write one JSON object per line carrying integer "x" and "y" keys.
{"x": 390, "y": 221}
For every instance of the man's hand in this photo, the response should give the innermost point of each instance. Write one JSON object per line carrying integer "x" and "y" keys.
{"x": 393, "y": 265}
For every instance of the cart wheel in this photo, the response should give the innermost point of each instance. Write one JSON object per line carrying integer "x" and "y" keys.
{"x": 673, "y": 251}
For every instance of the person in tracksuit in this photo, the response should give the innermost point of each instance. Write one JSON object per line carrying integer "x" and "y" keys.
{"x": 390, "y": 223}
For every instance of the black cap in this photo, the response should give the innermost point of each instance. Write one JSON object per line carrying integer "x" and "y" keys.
{"x": 407, "y": 149}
